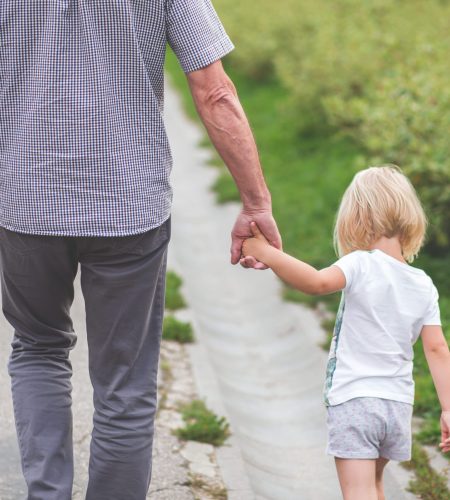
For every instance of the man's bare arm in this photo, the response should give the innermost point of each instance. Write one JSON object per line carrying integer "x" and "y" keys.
{"x": 219, "y": 108}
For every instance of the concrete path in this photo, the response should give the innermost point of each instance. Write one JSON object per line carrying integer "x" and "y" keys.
{"x": 264, "y": 351}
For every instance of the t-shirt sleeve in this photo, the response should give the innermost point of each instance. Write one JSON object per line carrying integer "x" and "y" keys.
{"x": 349, "y": 264}
{"x": 195, "y": 33}
{"x": 433, "y": 314}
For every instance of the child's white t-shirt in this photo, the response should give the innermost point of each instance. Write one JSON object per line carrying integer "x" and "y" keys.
{"x": 384, "y": 306}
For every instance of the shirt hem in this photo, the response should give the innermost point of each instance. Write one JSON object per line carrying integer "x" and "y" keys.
{"x": 85, "y": 232}
{"x": 333, "y": 401}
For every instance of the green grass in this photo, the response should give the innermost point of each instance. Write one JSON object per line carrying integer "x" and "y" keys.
{"x": 307, "y": 174}
{"x": 202, "y": 425}
{"x": 225, "y": 188}
{"x": 428, "y": 484}
{"x": 174, "y": 299}
{"x": 179, "y": 331}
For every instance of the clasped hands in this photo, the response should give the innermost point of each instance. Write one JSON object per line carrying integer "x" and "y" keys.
{"x": 253, "y": 231}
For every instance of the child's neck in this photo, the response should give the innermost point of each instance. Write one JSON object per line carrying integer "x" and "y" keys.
{"x": 391, "y": 246}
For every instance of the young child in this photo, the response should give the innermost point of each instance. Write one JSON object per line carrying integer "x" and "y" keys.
{"x": 385, "y": 306}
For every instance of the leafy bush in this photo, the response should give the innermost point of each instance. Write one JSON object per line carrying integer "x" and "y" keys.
{"x": 375, "y": 70}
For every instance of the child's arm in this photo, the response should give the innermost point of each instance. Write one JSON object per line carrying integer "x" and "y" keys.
{"x": 438, "y": 358}
{"x": 296, "y": 273}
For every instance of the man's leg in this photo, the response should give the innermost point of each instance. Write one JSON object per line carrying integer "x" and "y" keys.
{"x": 123, "y": 287}
{"x": 37, "y": 275}
{"x": 357, "y": 479}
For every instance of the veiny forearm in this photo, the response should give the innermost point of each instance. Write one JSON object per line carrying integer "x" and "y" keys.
{"x": 439, "y": 363}
{"x": 225, "y": 121}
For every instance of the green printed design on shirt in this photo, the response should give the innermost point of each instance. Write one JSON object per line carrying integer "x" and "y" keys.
{"x": 331, "y": 366}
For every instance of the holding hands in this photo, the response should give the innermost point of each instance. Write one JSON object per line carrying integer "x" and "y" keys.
{"x": 257, "y": 246}
{"x": 264, "y": 222}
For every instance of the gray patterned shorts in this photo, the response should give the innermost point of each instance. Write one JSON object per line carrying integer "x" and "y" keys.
{"x": 369, "y": 428}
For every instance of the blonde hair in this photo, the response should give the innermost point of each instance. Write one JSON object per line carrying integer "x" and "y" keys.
{"x": 380, "y": 201}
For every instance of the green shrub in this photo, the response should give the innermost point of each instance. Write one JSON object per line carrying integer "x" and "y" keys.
{"x": 203, "y": 425}
{"x": 174, "y": 299}
{"x": 179, "y": 331}
{"x": 375, "y": 70}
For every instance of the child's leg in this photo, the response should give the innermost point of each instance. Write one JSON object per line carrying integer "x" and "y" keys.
{"x": 357, "y": 478}
{"x": 380, "y": 465}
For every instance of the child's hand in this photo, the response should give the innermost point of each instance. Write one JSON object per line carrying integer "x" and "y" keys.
{"x": 257, "y": 245}
{"x": 445, "y": 432}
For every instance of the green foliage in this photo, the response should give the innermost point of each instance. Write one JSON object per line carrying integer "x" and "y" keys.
{"x": 179, "y": 331}
{"x": 428, "y": 485}
{"x": 376, "y": 71}
{"x": 202, "y": 424}
{"x": 174, "y": 299}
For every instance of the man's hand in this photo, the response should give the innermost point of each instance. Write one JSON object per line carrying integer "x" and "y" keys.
{"x": 242, "y": 230}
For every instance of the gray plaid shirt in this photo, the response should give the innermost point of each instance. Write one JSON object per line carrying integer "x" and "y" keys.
{"x": 83, "y": 149}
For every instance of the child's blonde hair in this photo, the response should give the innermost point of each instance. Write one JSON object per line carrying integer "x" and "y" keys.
{"x": 380, "y": 201}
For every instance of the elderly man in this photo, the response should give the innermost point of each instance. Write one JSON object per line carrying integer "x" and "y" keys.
{"x": 85, "y": 167}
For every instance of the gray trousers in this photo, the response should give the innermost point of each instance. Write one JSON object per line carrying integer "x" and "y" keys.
{"x": 123, "y": 282}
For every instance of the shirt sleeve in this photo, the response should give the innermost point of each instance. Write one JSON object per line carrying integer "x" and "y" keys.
{"x": 195, "y": 33}
{"x": 349, "y": 264}
{"x": 433, "y": 314}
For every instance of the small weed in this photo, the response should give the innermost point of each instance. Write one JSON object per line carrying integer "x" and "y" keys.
{"x": 174, "y": 299}
{"x": 213, "y": 491}
{"x": 179, "y": 331}
{"x": 429, "y": 484}
{"x": 202, "y": 424}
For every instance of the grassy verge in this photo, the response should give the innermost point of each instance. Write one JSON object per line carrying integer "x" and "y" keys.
{"x": 307, "y": 174}
{"x": 428, "y": 484}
